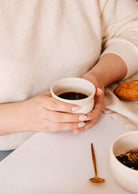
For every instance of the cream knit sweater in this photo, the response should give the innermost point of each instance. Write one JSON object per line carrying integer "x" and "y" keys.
{"x": 44, "y": 40}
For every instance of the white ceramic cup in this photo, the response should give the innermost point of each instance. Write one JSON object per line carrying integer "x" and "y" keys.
{"x": 73, "y": 84}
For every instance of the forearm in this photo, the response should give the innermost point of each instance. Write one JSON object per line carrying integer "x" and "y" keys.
{"x": 110, "y": 68}
{"x": 9, "y": 121}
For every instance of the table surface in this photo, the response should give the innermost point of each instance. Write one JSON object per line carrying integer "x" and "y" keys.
{"x": 60, "y": 163}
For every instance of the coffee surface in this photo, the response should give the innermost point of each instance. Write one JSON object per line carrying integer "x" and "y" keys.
{"x": 73, "y": 95}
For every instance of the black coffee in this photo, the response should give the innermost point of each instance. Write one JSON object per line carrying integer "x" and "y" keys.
{"x": 73, "y": 95}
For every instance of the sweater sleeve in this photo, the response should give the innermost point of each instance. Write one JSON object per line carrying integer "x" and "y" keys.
{"x": 119, "y": 20}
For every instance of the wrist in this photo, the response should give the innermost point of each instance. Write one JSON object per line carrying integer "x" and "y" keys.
{"x": 95, "y": 78}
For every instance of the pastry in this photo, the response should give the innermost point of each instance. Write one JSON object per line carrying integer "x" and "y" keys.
{"x": 127, "y": 90}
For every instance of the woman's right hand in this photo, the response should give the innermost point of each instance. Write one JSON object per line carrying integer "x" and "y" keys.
{"x": 46, "y": 114}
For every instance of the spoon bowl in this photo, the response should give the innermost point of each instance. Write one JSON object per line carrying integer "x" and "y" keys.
{"x": 97, "y": 180}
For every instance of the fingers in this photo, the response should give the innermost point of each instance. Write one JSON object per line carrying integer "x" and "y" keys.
{"x": 88, "y": 125}
{"x": 57, "y": 115}
{"x": 94, "y": 115}
{"x": 50, "y": 126}
{"x": 98, "y": 107}
{"x": 56, "y": 105}
{"x": 63, "y": 117}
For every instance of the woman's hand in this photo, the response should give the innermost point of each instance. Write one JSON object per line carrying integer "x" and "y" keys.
{"x": 95, "y": 113}
{"x": 109, "y": 68}
{"x": 43, "y": 113}
{"x": 98, "y": 105}
{"x": 46, "y": 114}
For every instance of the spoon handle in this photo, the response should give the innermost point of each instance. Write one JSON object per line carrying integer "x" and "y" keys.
{"x": 93, "y": 159}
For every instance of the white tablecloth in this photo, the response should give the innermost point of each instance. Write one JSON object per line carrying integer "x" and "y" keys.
{"x": 60, "y": 163}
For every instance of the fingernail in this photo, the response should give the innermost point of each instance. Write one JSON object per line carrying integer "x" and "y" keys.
{"x": 100, "y": 91}
{"x": 75, "y": 108}
{"x": 84, "y": 118}
{"x": 81, "y": 125}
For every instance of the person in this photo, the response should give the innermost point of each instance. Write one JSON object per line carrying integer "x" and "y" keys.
{"x": 42, "y": 41}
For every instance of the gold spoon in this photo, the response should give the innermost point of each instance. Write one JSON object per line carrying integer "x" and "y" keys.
{"x": 95, "y": 179}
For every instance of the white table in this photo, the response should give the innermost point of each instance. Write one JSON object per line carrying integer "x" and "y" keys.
{"x": 60, "y": 163}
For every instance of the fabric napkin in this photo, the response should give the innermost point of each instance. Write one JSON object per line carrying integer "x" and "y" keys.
{"x": 124, "y": 112}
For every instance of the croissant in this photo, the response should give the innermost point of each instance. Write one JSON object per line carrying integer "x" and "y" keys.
{"x": 127, "y": 90}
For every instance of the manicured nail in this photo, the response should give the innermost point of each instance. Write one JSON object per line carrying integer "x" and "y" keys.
{"x": 84, "y": 118}
{"x": 81, "y": 125}
{"x": 100, "y": 91}
{"x": 75, "y": 108}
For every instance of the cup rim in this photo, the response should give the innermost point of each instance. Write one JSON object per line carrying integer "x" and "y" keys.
{"x": 77, "y": 78}
{"x": 111, "y": 151}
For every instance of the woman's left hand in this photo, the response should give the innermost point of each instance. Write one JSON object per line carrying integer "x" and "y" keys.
{"x": 98, "y": 105}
